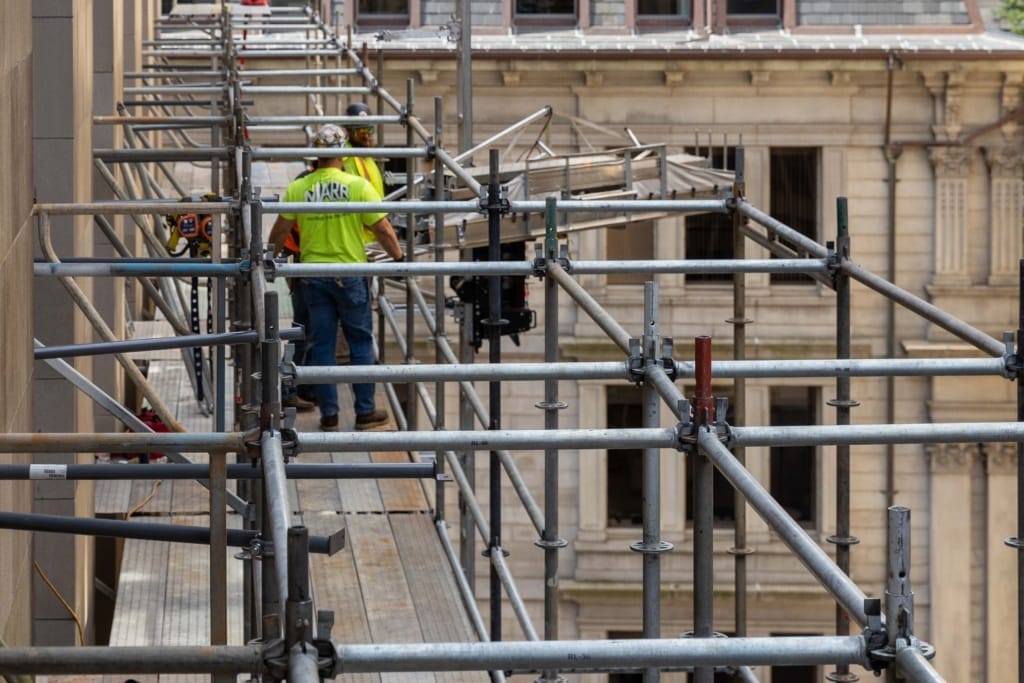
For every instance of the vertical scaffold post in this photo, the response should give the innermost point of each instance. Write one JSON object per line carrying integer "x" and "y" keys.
{"x": 411, "y": 404}
{"x": 494, "y": 387}
{"x": 549, "y": 540}
{"x": 842, "y": 403}
{"x": 439, "y": 305}
{"x": 739, "y": 321}
{"x": 899, "y": 599}
{"x": 651, "y": 486}
{"x": 703, "y": 506}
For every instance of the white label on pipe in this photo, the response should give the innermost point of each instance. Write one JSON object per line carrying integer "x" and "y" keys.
{"x": 47, "y": 471}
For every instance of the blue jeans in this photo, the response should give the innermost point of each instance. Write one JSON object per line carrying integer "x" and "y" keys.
{"x": 348, "y": 304}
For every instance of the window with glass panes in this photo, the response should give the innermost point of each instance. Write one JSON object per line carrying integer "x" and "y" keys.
{"x": 793, "y": 469}
{"x": 793, "y": 195}
{"x": 382, "y": 12}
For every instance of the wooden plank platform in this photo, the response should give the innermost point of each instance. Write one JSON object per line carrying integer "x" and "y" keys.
{"x": 391, "y": 583}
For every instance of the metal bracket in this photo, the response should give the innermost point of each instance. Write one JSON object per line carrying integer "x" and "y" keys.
{"x": 269, "y": 266}
{"x": 501, "y": 202}
{"x": 275, "y": 659}
{"x": 403, "y": 115}
{"x": 875, "y": 638}
{"x": 1012, "y": 362}
{"x": 540, "y": 261}
{"x": 635, "y": 362}
{"x": 667, "y": 364}
{"x": 684, "y": 430}
{"x": 289, "y": 437}
{"x": 258, "y": 549}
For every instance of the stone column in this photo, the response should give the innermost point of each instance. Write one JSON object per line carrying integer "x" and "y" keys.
{"x": 950, "y": 558}
{"x": 1006, "y": 185}
{"x": 951, "y": 166}
{"x": 1000, "y": 562}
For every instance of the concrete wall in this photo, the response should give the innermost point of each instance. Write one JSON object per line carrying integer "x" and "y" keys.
{"x": 16, "y": 229}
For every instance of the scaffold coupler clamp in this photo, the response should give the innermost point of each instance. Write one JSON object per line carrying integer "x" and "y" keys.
{"x": 1013, "y": 363}
{"x": 667, "y": 362}
{"x": 635, "y": 364}
{"x": 540, "y": 262}
{"x": 686, "y": 431}
{"x": 501, "y": 202}
{"x": 257, "y": 549}
{"x": 269, "y": 263}
{"x": 275, "y": 659}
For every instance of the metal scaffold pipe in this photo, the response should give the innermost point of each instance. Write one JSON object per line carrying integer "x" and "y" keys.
{"x": 140, "y": 269}
{"x": 702, "y": 266}
{"x": 131, "y": 207}
{"x": 128, "y": 442}
{"x": 600, "y": 655}
{"x": 526, "y": 439}
{"x": 117, "y": 471}
{"x": 133, "y": 345}
{"x": 938, "y": 432}
{"x": 179, "y": 659}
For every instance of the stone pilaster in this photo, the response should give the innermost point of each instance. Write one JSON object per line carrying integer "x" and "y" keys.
{"x": 950, "y": 557}
{"x": 1006, "y": 185}
{"x": 1000, "y": 561}
{"x": 951, "y": 167}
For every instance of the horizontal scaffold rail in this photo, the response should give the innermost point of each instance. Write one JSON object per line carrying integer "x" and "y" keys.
{"x": 128, "y": 442}
{"x": 870, "y": 367}
{"x": 118, "y": 471}
{"x": 133, "y": 207}
{"x": 150, "y": 531}
{"x": 160, "y": 343}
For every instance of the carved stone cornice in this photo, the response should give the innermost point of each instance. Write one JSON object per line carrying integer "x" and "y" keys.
{"x": 1001, "y": 458}
{"x": 1005, "y": 161}
{"x": 950, "y": 162}
{"x": 951, "y": 458}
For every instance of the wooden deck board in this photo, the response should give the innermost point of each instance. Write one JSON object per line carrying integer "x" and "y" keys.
{"x": 358, "y": 495}
{"x": 441, "y": 616}
{"x": 391, "y": 583}
{"x": 400, "y": 495}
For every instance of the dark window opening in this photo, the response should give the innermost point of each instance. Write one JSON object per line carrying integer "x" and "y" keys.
{"x": 793, "y": 468}
{"x": 661, "y": 14}
{"x": 753, "y": 7}
{"x": 793, "y": 196}
{"x": 541, "y": 14}
{"x": 624, "y": 410}
{"x": 724, "y": 495}
{"x": 631, "y": 242}
{"x": 382, "y": 13}
{"x": 709, "y": 235}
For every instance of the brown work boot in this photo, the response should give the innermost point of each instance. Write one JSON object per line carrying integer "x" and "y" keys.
{"x": 374, "y": 419}
{"x": 329, "y": 423}
{"x": 299, "y": 403}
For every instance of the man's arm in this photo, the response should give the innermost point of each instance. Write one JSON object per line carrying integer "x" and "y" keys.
{"x": 387, "y": 238}
{"x": 279, "y": 233}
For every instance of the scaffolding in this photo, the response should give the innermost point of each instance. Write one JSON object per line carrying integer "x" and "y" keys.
{"x": 196, "y": 63}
